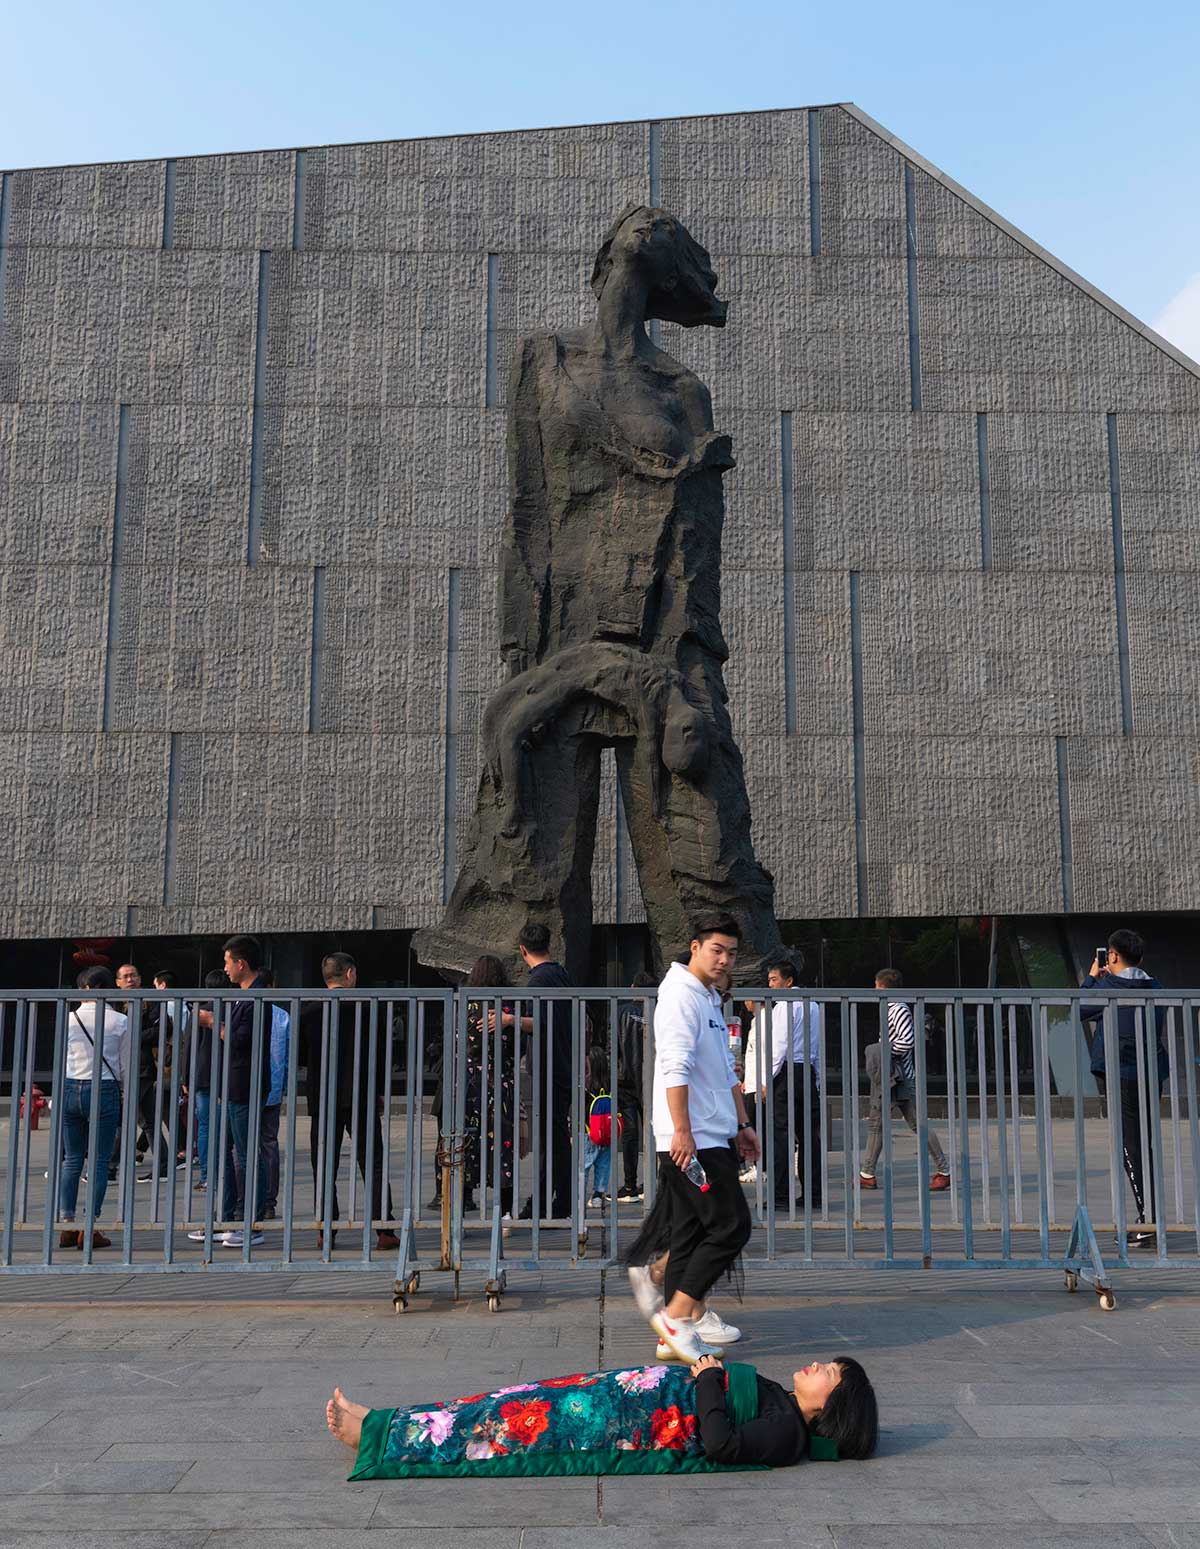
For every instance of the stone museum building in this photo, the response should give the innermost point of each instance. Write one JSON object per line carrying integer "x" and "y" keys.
{"x": 252, "y": 483}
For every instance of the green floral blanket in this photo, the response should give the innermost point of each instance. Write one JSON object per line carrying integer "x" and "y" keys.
{"x": 640, "y": 1421}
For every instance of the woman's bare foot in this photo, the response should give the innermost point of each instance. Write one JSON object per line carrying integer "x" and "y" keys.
{"x": 345, "y": 1419}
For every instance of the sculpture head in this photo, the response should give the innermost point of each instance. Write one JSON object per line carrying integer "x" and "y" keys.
{"x": 681, "y": 277}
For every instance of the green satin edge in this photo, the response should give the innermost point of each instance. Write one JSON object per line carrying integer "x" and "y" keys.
{"x": 371, "y": 1463}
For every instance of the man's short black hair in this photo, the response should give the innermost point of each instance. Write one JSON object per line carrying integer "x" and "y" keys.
{"x": 96, "y": 978}
{"x": 785, "y": 968}
{"x": 1129, "y": 944}
{"x": 889, "y": 978}
{"x": 715, "y": 923}
{"x": 167, "y": 977}
{"x": 535, "y": 939}
{"x": 336, "y": 965}
{"x": 216, "y": 979}
{"x": 245, "y": 949}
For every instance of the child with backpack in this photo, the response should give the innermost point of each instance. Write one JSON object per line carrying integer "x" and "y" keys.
{"x": 597, "y": 1148}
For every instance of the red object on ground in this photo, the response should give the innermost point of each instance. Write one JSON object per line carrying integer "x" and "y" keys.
{"x": 37, "y": 1103}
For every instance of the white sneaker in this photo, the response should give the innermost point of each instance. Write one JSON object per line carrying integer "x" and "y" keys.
{"x": 506, "y": 1224}
{"x": 237, "y": 1239}
{"x": 646, "y": 1294}
{"x": 748, "y": 1174}
{"x": 665, "y": 1353}
{"x": 199, "y": 1236}
{"x": 713, "y": 1329}
{"x": 680, "y": 1336}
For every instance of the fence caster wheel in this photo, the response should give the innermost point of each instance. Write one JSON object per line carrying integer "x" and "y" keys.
{"x": 1072, "y": 1280}
{"x": 414, "y": 1284}
{"x": 400, "y": 1302}
{"x": 493, "y": 1301}
{"x": 1108, "y": 1301}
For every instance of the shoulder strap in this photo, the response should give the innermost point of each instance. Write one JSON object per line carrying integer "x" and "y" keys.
{"x": 103, "y": 1059}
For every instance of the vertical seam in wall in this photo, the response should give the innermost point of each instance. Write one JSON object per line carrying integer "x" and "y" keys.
{"x": 914, "y": 322}
{"x": 985, "y": 493}
{"x": 316, "y": 655}
{"x": 168, "y": 227}
{"x": 1118, "y": 538}
{"x": 254, "y": 522}
{"x": 619, "y": 878}
{"x": 298, "y": 201}
{"x": 114, "y": 570}
{"x": 1064, "y": 824}
{"x": 450, "y": 786}
{"x": 789, "y": 575}
{"x": 5, "y": 206}
{"x": 168, "y": 896}
{"x": 860, "y": 781}
{"x": 490, "y": 387}
{"x": 654, "y": 179}
{"x": 814, "y": 180}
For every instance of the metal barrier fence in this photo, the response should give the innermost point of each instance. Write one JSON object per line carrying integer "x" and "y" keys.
{"x": 481, "y": 1099}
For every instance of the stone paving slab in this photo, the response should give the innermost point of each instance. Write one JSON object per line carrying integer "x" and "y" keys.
{"x": 1011, "y": 1413}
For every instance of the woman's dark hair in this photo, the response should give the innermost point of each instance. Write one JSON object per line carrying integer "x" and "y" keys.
{"x": 851, "y": 1415}
{"x": 96, "y": 978}
{"x": 216, "y": 979}
{"x": 489, "y": 972}
{"x": 644, "y": 980}
{"x": 598, "y": 1063}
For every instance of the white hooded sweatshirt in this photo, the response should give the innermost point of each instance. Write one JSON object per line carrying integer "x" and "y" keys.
{"x": 691, "y": 1048}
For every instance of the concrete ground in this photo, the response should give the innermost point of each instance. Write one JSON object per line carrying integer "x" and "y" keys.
{"x": 134, "y": 1414}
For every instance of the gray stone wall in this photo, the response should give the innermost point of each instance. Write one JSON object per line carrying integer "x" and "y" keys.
{"x": 252, "y": 478}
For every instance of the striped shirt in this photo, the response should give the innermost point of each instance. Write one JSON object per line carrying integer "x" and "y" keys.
{"x": 902, "y": 1037}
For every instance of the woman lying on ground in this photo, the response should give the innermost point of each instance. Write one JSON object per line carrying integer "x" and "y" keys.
{"x": 649, "y": 1420}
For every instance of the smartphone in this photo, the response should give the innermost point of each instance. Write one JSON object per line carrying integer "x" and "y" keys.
{"x": 1102, "y": 956}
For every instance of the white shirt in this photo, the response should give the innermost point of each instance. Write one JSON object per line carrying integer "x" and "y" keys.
{"x": 781, "y": 1041}
{"x": 82, "y": 1039}
{"x": 691, "y": 1048}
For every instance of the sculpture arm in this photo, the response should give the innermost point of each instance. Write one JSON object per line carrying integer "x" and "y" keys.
{"x": 525, "y": 549}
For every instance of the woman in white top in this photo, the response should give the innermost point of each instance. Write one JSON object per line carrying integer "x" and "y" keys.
{"x": 95, "y": 1030}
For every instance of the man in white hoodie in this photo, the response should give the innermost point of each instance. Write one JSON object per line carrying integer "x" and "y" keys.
{"x": 699, "y": 1115}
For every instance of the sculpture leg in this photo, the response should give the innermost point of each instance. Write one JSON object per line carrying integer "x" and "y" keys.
{"x": 542, "y": 873}
{"x": 695, "y": 854}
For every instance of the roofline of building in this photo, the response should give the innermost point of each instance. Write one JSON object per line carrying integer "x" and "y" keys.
{"x": 855, "y": 112}
{"x": 1027, "y": 242}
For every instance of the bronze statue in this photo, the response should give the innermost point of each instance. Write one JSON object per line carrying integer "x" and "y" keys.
{"x": 610, "y": 600}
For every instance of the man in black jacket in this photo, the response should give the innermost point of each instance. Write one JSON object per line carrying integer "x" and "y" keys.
{"x": 243, "y": 968}
{"x": 340, "y": 972}
{"x": 631, "y": 1045}
{"x": 555, "y": 1021}
{"x": 1119, "y": 975}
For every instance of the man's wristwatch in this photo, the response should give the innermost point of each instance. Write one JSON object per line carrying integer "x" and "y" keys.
{"x": 747, "y": 1125}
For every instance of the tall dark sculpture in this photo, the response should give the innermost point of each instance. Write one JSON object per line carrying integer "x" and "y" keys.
{"x": 610, "y": 602}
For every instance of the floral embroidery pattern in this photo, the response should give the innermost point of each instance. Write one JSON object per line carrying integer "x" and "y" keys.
{"x": 527, "y": 1421}
{"x": 671, "y": 1427}
{"x": 643, "y": 1379}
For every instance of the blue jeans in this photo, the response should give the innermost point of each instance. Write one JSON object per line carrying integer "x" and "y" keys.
{"x": 599, "y": 1158}
{"x": 201, "y": 1103}
{"x": 77, "y": 1114}
{"x": 237, "y": 1143}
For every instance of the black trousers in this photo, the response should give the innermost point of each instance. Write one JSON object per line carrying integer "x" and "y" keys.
{"x": 785, "y": 1158}
{"x": 341, "y": 1128}
{"x": 708, "y": 1230}
{"x": 631, "y": 1140}
{"x": 552, "y": 1139}
{"x": 1133, "y": 1116}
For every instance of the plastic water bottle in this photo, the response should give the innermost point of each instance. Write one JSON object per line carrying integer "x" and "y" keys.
{"x": 735, "y": 1040}
{"x": 694, "y": 1173}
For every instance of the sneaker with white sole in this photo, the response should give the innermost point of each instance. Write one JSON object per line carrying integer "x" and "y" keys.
{"x": 680, "y": 1336}
{"x": 646, "y": 1293}
{"x": 665, "y": 1353}
{"x": 714, "y": 1330}
{"x": 199, "y": 1236}
{"x": 237, "y": 1239}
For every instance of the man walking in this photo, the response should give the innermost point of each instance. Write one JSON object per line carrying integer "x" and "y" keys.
{"x": 554, "y": 1132}
{"x": 340, "y": 972}
{"x": 631, "y": 1044}
{"x": 1121, "y": 973}
{"x": 243, "y": 969}
{"x": 699, "y": 1116}
{"x": 795, "y": 1040}
{"x": 901, "y": 1040}
{"x": 129, "y": 978}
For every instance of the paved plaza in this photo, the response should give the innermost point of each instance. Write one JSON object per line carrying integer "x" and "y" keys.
{"x": 161, "y": 1412}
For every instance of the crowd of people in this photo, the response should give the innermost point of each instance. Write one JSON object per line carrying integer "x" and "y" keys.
{"x": 512, "y": 1047}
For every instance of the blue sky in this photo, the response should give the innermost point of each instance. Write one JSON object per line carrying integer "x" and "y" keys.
{"x": 1076, "y": 122}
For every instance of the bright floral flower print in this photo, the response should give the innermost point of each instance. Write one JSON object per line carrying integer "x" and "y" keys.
{"x": 671, "y": 1427}
{"x": 643, "y": 1379}
{"x": 520, "y": 1387}
{"x": 473, "y": 1399}
{"x": 484, "y": 1448}
{"x": 436, "y": 1423}
{"x": 578, "y": 1405}
{"x": 580, "y": 1380}
{"x": 526, "y": 1422}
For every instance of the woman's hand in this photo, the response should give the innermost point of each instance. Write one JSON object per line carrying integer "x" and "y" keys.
{"x": 706, "y": 1363}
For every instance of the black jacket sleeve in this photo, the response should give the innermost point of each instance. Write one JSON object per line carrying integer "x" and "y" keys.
{"x": 774, "y": 1438}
